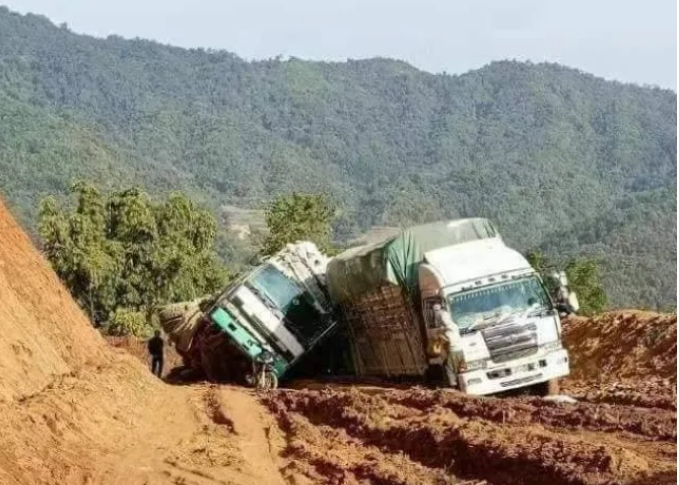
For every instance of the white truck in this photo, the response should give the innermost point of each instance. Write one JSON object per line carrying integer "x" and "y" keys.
{"x": 509, "y": 331}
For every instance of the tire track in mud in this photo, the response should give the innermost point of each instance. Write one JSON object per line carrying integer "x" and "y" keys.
{"x": 326, "y": 454}
{"x": 484, "y": 441}
{"x": 647, "y": 393}
{"x": 656, "y": 424}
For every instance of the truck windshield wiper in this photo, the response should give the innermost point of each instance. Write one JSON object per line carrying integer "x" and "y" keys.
{"x": 498, "y": 318}
{"x": 263, "y": 296}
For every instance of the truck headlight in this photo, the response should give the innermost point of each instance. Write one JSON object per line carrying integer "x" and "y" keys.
{"x": 549, "y": 346}
{"x": 473, "y": 365}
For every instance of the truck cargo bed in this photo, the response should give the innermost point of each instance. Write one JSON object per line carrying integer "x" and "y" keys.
{"x": 385, "y": 334}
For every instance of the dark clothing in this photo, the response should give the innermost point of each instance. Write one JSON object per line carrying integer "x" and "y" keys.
{"x": 155, "y": 347}
{"x": 157, "y": 365}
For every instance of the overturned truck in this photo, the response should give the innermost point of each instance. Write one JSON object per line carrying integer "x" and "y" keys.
{"x": 280, "y": 306}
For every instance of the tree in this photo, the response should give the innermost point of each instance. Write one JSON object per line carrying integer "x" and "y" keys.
{"x": 124, "y": 253}
{"x": 393, "y": 145}
{"x": 537, "y": 260}
{"x": 299, "y": 217}
{"x": 583, "y": 277}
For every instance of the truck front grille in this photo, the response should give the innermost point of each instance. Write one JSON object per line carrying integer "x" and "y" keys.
{"x": 507, "y": 341}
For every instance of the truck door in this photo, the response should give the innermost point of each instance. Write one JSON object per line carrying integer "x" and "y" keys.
{"x": 430, "y": 325}
{"x": 428, "y": 311}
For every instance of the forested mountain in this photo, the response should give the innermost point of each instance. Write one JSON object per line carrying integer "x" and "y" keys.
{"x": 559, "y": 159}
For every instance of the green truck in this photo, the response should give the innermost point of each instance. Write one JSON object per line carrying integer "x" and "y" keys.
{"x": 280, "y": 306}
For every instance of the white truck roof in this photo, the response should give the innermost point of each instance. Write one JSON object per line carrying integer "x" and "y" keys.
{"x": 475, "y": 260}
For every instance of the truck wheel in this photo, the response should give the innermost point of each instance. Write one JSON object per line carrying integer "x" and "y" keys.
{"x": 549, "y": 388}
{"x": 435, "y": 376}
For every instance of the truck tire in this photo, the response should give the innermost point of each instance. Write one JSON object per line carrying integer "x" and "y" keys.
{"x": 549, "y": 388}
{"x": 435, "y": 376}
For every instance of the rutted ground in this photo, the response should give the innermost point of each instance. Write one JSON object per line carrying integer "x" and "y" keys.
{"x": 623, "y": 430}
{"x": 74, "y": 410}
{"x": 441, "y": 436}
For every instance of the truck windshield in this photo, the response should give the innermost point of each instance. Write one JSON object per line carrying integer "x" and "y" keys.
{"x": 471, "y": 306}
{"x": 275, "y": 286}
{"x": 297, "y": 306}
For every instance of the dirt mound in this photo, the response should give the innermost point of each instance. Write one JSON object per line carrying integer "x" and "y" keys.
{"x": 75, "y": 411}
{"x": 44, "y": 334}
{"x": 622, "y": 345}
{"x": 420, "y": 436}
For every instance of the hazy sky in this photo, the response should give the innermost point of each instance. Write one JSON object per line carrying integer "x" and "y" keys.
{"x": 628, "y": 40}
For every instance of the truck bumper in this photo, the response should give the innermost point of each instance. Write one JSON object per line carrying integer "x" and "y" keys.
{"x": 519, "y": 373}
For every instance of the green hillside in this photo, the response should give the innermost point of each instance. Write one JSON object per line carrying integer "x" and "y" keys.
{"x": 548, "y": 152}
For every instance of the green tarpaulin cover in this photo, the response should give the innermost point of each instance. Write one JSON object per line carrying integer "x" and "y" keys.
{"x": 395, "y": 260}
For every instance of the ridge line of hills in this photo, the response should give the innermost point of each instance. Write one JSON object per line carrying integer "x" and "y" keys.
{"x": 559, "y": 159}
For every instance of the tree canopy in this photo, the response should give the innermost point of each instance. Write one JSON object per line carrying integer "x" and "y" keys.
{"x": 122, "y": 252}
{"x": 298, "y": 217}
{"x": 557, "y": 158}
{"x": 584, "y": 278}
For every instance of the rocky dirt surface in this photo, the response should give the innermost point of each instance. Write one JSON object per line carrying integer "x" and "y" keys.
{"x": 137, "y": 347}
{"x": 622, "y": 345}
{"x": 76, "y": 411}
{"x": 423, "y": 436}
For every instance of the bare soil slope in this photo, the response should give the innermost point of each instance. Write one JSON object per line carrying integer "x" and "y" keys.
{"x": 623, "y": 345}
{"x": 44, "y": 333}
{"x": 76, "y": 411}
{"x": 623, "y": 357}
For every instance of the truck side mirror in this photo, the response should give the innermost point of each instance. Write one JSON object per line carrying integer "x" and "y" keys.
{"x": 562, "y": 278}
{"x": 573, "y": 301}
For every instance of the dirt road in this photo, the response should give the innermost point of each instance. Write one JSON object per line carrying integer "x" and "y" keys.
{"x": 203, "y": 434}
{"x": 427, "y": 437}
{"x": 212, "y": 436}
{"x": 77, "y": 411}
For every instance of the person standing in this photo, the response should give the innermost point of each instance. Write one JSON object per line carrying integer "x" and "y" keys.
{"x": 155, "y": 347}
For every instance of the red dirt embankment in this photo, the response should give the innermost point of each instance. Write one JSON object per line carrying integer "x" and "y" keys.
{"x": 623, "y": 357}
{"x": 622, "y": 345}
{"x": 75, "y": 411}
{"x": 44, "y": 334}
{"x": 62, "y": 391}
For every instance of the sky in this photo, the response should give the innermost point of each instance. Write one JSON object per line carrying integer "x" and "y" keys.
{"x": 627, "y": 40}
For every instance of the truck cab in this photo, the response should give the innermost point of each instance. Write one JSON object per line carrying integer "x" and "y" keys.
{"x": 509, "y": 329}
{"x": 280, "y": 306}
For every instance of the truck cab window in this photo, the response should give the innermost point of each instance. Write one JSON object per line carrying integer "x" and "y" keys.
{"x": 275, "y": 286}
{"x": 492, "y": 301}
{"x": 300, "y": 315}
